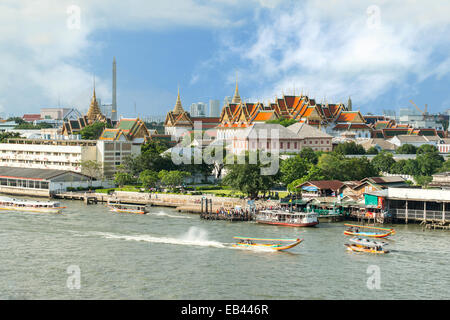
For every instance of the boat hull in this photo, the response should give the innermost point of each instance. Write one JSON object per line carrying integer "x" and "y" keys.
{"x": 360, "y": 248}
{"x": 30, "y": 209}
{"x": 126, "y": 211}
{"x": 367, "y": 234}
{"x": 277, "y": 247}
{"x": 284, "y": 224}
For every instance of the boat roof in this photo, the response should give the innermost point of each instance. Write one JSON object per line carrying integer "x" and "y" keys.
{"x": 264, "y": 239}
{"x": 32, "y": 202}
{"x": 368, "y": 227}
{"x": 367, "y": 242}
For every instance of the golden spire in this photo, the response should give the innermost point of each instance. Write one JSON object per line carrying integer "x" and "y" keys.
{"x": 178, "y": 107}
{"x": 236, "y": 97}
{"x": 94, "y": 110}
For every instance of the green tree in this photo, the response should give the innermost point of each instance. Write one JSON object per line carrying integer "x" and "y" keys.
{"x": 149, "y": 179}
{"x": 173, "y": 179}
{"x": 309, "y": 154}
{"x": 93, "y": 131}
{"x": 283, "y": 122}
{"x": 423, "y": 181}
{"x": 91, "y": 168}
{"x": 427, "y": 148}
{"x": 429, "y": 163}
{"x": 372, "y": 150}
{"x": 4, "y": 136}
{"x": 383, "y": 161}
{"x": 123, "y": 176}
{"x": 406, "y": 149}
{"x": 314, "y": 174}
{"x": 248, "y": 178}
{"x": 294, "y": 168}
{"x": 349, "y": 148}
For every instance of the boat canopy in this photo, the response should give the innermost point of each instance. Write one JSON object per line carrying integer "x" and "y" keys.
{"x": 265, "y": 239}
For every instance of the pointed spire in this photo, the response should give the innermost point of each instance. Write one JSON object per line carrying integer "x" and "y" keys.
{"x": 236, "y": 97}
{"x": 94, "y": 110}
{"x": 178, "y": 107}
{"x": 349, "y": 104}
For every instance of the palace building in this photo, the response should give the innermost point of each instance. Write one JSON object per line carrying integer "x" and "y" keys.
{"x": 178, "y": 121}
{"x": 94, "y": 114}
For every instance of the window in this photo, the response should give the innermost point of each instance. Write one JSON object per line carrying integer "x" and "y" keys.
{"x": 288, "y": 145}
{"x": 281, "y": 145}
{"x": 295, "y": 145}
{"x": 117, "y": 154}
{"x": 117, "y": 163}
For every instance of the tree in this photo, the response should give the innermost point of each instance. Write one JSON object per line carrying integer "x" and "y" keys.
{"x": 372, "y": 150}
{"x": 335, "y": 166}
{"x": 423, "y": 181}
{"x": 149, "y": 179}
{"x": 429, "y": 163}
{"x": 93, "y": 131}
{"x": 173, "y": 178}
{"x": 123, "y": 176}
{"x": 283, "y": 122}
{"x": 248, "y": 178}
{"x": 406, "y": 149}
{"x": 293, "y": 168}
{"x": 314, "y": 174}
{"x": 427, "y": 148}
{"x": 309, "y": 154}
{"x": 383, "y": 161}
{"x": 349, "y": 148}
{"x": 4, "y": 136}
{"x": 91, "y": 168}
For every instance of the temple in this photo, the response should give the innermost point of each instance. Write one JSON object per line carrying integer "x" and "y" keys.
{"x": 94, "y": 114}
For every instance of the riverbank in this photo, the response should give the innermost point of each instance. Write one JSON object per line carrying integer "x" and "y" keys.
{"x": 180, "y": 202}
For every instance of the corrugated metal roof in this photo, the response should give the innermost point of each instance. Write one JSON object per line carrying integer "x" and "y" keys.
{"x": 31, "y": 173}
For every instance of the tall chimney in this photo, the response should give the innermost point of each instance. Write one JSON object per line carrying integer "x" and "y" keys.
{"x": 114, "y": 101}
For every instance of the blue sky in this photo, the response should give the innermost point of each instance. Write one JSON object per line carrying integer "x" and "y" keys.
{"x": 381, "y": 53}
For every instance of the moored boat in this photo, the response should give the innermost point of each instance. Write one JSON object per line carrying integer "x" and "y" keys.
{"x": 30, "y": 205}
{"x": 286, "y": 218}
{"x": 367, "y": 231}
{"x": 275, "y": 244}
{"x": 127, "y": 208}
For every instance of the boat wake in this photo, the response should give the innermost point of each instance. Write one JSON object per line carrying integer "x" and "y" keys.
{"x": 194, "y": 237}
{"x": 163, "y": 214}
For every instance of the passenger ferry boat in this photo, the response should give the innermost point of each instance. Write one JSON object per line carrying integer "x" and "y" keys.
{"x": 286, "y": 218}
{"x": 128, "y": 208}
{"x": 30, "y": 205}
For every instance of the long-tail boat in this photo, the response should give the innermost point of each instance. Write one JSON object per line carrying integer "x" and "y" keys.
{"x": 275, "y": 244}
{"x": 367, "y": 231}
{"x": 366, "y": 245}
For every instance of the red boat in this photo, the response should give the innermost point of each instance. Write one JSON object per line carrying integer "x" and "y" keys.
{"x": 286, "y": 218}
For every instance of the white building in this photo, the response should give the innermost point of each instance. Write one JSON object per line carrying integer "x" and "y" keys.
{"x": 198, "y": 109}
{"x": 66, "y": 154}
{"x": 214, "y": 108}
{"x": 414, "y": 140}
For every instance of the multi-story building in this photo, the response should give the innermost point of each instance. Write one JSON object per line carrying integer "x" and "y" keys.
{"x": 66, "y": 155}
{"x": 270, "y": 137}
{"x": 198, "y": 109}
{"x": 214, "y": 108}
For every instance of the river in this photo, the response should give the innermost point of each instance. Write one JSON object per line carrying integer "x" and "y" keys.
{"x": 171, "y": 255}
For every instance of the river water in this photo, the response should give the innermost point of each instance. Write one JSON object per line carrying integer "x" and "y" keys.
{"x": 171, "y": 255}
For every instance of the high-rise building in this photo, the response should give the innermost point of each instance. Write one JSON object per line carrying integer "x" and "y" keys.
{"x": 114, "y": 101}
{"x": 198, "y": 109}
{"x": 227, "y": 100}
{"x": 214, "y": 108}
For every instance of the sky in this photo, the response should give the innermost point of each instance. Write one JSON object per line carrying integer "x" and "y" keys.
{"x": 381, "y": 53}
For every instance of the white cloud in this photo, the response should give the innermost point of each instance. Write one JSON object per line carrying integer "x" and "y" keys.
{"x": 338, "y": 48}
{"x": 42, "y": 59}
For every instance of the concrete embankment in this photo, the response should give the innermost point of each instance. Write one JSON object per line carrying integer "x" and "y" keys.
{"x": 182, "y": 202}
